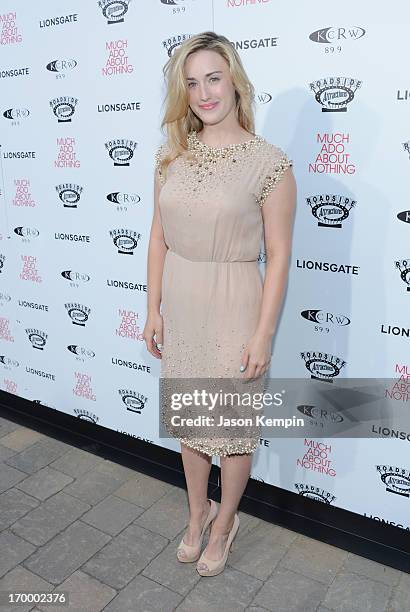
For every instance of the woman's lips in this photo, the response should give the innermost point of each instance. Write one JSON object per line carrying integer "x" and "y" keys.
{"x": 208, "y": 106}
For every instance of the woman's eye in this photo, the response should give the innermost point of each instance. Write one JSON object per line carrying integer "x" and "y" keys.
{"x": 211, "y": 79}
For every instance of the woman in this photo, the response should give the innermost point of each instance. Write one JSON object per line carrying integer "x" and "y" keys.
{"x": 218, "y": 189}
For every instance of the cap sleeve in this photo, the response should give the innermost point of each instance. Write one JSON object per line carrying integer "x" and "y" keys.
{"x": 273, "y": 169}
{"x": 159, "y": 156}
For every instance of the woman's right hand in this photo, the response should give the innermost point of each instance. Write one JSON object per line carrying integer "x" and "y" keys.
{"x": 153, "y": 327}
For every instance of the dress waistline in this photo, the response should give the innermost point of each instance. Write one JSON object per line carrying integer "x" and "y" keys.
{"x": 236, "y": 261}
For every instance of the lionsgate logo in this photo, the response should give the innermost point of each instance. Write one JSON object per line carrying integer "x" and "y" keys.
{"x": 335, "y": 35}
{"x": 322, "y": 366}
{"x": 397, "y": 480}
{"x": 121, "y": 150}
{"x": 37, "y": 338}
{"x": 403, "y": 266}
{"x": 313, "y": 492}
{"x": 335, "y": 93}
{"x": 78, "y": 313}
{"x": 126, "y": 240}
{"x": 330, "y": 210}
{"x": 114, "y": 10}
{"x": 64, "y": 108}
{"x": 173, "y": 42}
{"x": 61, "y": 65}
{"x": 134, "y": 401}
{"x": 69, "y": 194}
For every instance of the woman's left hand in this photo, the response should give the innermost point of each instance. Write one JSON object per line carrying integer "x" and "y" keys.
{"x": 256, "y": 356}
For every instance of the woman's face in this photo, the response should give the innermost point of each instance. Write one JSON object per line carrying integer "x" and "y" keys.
{"x": 211, "y": 92}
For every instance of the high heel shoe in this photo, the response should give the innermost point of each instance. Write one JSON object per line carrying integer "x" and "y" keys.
{"x": 192, "y": 552}
{"x": 216, "y": 567}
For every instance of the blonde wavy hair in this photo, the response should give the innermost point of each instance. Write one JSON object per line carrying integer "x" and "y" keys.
{"x": 178, "y": 118}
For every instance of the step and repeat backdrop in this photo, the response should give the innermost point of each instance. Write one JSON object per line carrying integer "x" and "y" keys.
{"x": 81, "y": 101}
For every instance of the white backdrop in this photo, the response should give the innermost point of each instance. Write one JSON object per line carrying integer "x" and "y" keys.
{"x": 81, "y": 96}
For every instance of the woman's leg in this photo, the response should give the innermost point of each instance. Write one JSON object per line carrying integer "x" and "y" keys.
{"x": 235, "y": 472}
{"x": 197, "y": 466}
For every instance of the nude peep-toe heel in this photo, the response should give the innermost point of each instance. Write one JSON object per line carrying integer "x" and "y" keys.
{"x": 216, "y": 567}
{"x": 192, "y": 552}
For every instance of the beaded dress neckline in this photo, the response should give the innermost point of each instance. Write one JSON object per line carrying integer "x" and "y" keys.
{"x": 197, "y": 145}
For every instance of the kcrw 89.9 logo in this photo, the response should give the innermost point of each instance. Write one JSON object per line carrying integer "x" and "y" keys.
{"x": 333, "y": 39}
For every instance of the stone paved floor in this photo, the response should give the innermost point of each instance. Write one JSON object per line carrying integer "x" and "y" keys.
{"x": 106, "y": 534}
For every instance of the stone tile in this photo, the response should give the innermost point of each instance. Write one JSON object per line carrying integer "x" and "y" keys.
{"x": 400, "y": 597}
{"x": 112, "y": 515}
{"x": 259, "y": 550}
{"x": 353, "y": 592}
{"x": 287, "y": 591}
{"x": 76, "y": 462}
{"x": 13, "y": 505}
{"x": 37, "y": 456}
{"x": 66, "y": 552}
{"x": 143, "y": 490}
{"x": 167, "y": 516}
{"x": 125, "y": 556}
{"x": 7, "y": 426}
{"x": 9, "y": 476}
{"x": 230, "y": 590}
{"x": 44, "y": 483}
{"x": 314, "y": 559}
{"x": 118, "y": 470}
{"x": 94, "y": 485}
{"x": 85, "y": 594}
{"x": 5, "y": 452}
{"x": 167, "y": 570}
{"x": 48, "y": 519}
{"x": 21, "y": 438}
{"x": 371, "y": 569}
{"x": 13, "y": 551}
{"x": 255, "y": 609}
{"x": 144, "y": 595}
{"x": 20, "y": 579}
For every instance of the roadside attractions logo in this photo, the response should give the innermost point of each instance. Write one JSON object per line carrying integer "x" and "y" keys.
{"x": 322, "y": 366}
{"x": 173, "y": 42}
{"x": 396, "y": 479}
{"x": 69, "y": 194}
{"x": 133, "y": 400}
{"x": 121, "y": 150}
{"x": 335, "y": 93}
{"x": 403, "y": 265}
{"x": 64, "y": 108}
{"x": 313, "y": 492}
{"x": 330, "y": 210}
{"x": 114, "y": 10}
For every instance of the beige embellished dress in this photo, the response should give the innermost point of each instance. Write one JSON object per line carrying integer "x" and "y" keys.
{"x": 212, "y": 287}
